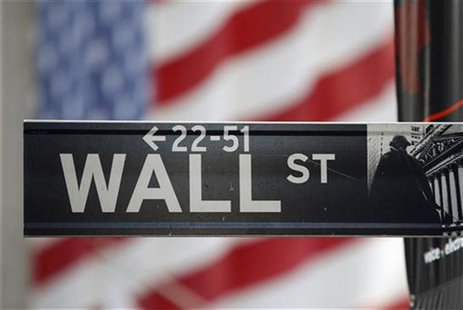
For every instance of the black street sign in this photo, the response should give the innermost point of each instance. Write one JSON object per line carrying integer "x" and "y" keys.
{"x": 145, "y": 178}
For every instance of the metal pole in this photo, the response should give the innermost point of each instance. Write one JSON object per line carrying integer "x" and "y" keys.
{"x": 429, "y": 77}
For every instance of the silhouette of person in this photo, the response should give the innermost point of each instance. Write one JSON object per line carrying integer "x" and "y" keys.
{"x": 400, "y": 191}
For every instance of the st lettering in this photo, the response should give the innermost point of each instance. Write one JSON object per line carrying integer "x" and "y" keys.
{"x": 300, "y": 172}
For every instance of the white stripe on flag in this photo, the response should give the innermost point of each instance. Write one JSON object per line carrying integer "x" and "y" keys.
{"x": 127, "y": 271}
{"x": 382, "y": 108}
{"x": 369, "y": 273}
{"x": 267, "y": 78}
{"x": 174, "y": 27}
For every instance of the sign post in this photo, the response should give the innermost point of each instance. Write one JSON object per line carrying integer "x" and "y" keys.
{"x": 429, "y": 49}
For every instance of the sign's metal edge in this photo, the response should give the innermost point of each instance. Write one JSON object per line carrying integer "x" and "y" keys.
{"x": 25, "y": 121}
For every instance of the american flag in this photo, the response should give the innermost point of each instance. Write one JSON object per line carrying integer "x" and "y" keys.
{"x": 235, "y": 60}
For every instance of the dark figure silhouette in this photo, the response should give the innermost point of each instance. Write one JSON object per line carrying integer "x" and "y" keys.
{"x": 400, "y": 191}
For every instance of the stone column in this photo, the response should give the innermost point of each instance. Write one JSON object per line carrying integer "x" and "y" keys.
{"x": 437, "y": 194}
{"x": 453, "y": 193}
{"x": 431, "y": 184}
{"x": 444, "y": 193}
{"x": 459, "y": 173}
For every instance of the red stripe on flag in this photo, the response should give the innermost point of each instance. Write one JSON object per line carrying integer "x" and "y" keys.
{"x": 398, "y": 305}
{"x": 64, "y": 254}
{"x": 243, "y": 31}
{"x": 156, "y": 300}
{"x": 340, "y": 91}
{"x": 245, "y": 265}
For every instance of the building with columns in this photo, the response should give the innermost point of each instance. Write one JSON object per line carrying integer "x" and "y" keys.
{"x": 441, "y": 154}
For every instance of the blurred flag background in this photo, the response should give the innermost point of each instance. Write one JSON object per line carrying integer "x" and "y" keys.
{"x": 235, "y": 60}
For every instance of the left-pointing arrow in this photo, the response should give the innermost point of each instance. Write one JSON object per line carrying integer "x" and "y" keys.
{"x": 150, "y": 138}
